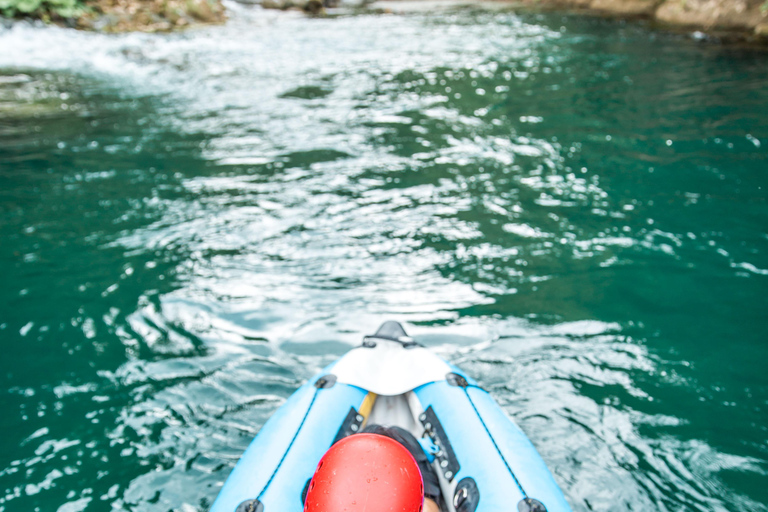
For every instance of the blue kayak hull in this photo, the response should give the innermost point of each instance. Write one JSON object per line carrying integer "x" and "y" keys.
{"x": 486, "y": 451}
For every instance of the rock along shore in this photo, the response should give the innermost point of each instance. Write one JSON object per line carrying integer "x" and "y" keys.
{"x": 729, "y": 19}
{"x": 745, "y": 18}
{"x": 733, "y": 19}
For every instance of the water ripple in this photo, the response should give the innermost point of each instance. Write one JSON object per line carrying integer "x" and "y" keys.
{"x": 195, "y": 223}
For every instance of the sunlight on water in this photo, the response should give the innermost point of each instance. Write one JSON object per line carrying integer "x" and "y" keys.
{"x": 195, "y": 223}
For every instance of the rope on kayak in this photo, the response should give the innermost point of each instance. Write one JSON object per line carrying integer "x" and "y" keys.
{"x": 266, "y": 486}
{"x": 498, "y": 450}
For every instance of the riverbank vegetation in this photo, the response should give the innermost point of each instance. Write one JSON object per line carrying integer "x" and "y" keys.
{"x": 44, "y": 9}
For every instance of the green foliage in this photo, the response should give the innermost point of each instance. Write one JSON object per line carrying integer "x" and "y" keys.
{"x": 42, "y": 8}
{"x": 764, "y": 8}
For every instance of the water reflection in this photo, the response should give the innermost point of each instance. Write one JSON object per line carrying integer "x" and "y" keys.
{"x": 195, "y": 223}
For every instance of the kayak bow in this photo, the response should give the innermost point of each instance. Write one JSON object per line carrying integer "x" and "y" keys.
{"x": 483, "y": 460}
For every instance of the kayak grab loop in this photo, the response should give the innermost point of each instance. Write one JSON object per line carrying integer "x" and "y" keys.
{"x": 445, "y": 456}
{"x": 390, "y": 331}
{"x": 531, "y": 505}
{"x": 466, "y": 497}
{"x": 250, "y": 506}
{"x": 454, "y": 379}
{"x": 326, "y": 381}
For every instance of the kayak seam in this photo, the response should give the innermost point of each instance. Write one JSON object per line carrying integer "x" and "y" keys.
{"x": 498, "y": 450}
{"x": 288, "y": 449}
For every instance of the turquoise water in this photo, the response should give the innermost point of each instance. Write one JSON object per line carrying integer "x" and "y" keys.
{"x": 573, "y": 210}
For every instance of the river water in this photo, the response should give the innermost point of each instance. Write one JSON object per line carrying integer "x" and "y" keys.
{"x": 573, "y": 210}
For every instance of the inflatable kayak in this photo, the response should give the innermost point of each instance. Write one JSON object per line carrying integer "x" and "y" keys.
{"x": 483, "y": 461}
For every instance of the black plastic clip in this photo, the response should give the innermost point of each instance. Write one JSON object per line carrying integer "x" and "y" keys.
{"x": 466, "y": 497}
{"x": 253, "y": 505}
{"x": 454, "y": 379}
{"x": 351, "y": 425}
{"x": 445, "y": 457}
{"x": 531, "y": 505}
